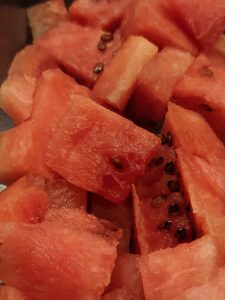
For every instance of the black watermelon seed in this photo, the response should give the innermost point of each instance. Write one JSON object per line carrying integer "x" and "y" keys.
{"x": 181, "y": 233}
{"x": 98, "y": 68}
{"x": 157, "y": 161}
{"x": 101, "y": 45}
{"x": 117, "y": 163}
{"x": 174, "y": 185}
{"x": 165, "y": 226}
{"x": 170, "y": 168}
{"x": 174, "y": 209}
{"x": 206, "y": 72}
{"x": 206, "y": 107}
{"x": 107, "y": 37}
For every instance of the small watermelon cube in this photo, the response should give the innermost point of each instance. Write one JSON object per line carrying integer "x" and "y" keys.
{"x": 10, "y": 293}
{"x": 169, "y": 272}
{"x": 64, "y": 263}
{"x": 157, "y": 81}
{"x": 204, "y": 19}
{"x": 125, "y": 66}
{"x": 109, "y": 152}
{"x": 153, "y": 20}
{"x": 16, "y": 93}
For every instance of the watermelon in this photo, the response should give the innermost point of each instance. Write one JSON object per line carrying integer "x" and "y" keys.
{"x": 16, "y": 93}
{"x": 24, "y": 201}
{"x": 119, "y": 215}
{"x": 10, "y": 293}
{"x": 60, "y": 267}
{"x": 118, "y": 294}
{"x": 63, "y": 194}
{"x": 202, "y": 89}
{"x": 126, "y": 65}
{"x": 106, "y": 14}
{"x": 109, "y": 152}
{"x": 205, "y": 20}
{"x": 153, "y": 20}
{"x": 44, "y": 16}
{"x": 76, "y": 49}
{"x": 169, "y": 272}
{"x": 157, "y": 81}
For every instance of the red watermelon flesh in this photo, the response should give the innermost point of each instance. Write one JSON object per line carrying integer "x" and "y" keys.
{"x": 44, "y": 16}
{"x": 126, "y": 65}
{"x": 76, "y": 49}
{"x": 16, "y": 94}
{"x": 219, "y": 46}
{"x": 63, "y": 194}
{"x": 10, "y": 293}
{"x": 109, "y": 152}
{"x": 119, "y": 215}
{"x": 106, "y": 14}
{"x": 153, "y": 20}
{"x": 205, "y": 20}
{"x": 202, "y": 89}
{"x": 119, "y": 294}
{"x": 126, "y": 276}
{"x": 157, "y": 81}
{"x": 60, "y": 267}
{"x": 169, "y": 272}
{"x": 24, "y": 201}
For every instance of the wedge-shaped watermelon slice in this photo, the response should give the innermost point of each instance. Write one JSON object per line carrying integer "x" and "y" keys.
{"x": 153, "y": 20}
{"x": 109, "y": 152}
{"x": 169, "y": 272}
{"x": 10, "y": 293}
{"x": 106, "y": 14}
{"x": 24, "y": 201}
{"x": 44, "y": 16}
{"x": 16, "y": 93}
{"x": 205, "y": 20}
{"x": 64, "y": 263}
{"x": 202, "y": 89}
{"x": 157, "y": 81}
{"x": 126, "y": 65}
{"x": 76, "y": 49}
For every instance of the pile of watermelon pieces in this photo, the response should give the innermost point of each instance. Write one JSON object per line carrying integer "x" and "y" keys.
{"x": 114, "y": 171}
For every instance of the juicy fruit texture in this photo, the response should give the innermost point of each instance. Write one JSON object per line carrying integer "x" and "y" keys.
{"x": 63, "y": 194}
{"x": 108, "y": 159}
{"x": 24, "y": 201}
{"x": 157, "y": 81}
{"x": 71, "y": 273}
{"x": 44, "y": 16}
{"x": 9, "y": 293}
{"x": 16, "y": 94}
{"x": 219, "y": 46}
{"x": 76, "y": 49}
{"x": 106, "y": 14}
{"x": 119, "y": 294}
{"x": 162, "y": 215}
{"x": 119, "y": 215}
{"x": 169, "y": 272}
{"x": 126, "y": 65}
{"x": 202, "y": 89}
{"x": 153, "y": 20}
{"x": 206, "y": 22}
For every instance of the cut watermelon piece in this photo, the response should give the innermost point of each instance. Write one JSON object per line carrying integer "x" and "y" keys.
{"x": 157, "y": 81}
{"x": 63, "y": 194}
{"x": 10, "y": 293}
{"x": 126, "y": 65}
{"x": 44, "y": 16}
{"x": 169, "y": 272}
{"x": 106, "y": 14}
{"x": 76, "y": 49}
{"x": 202, "y": 89}
{"x": 63, "y": 263}
{"x": 24, "y": 201}
{"x": 115, "y": 156}
{"x": 16, "y": 94}
{"x": 21, "y": 152}
{"x": 205, "y": 20}
{"x": 119, "y": 294}
{"x": 153, "y": 20}
{"x": 119, "y": 215}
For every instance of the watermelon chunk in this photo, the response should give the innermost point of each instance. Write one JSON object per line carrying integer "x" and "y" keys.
{"x": 169, "y": 272}
{"x": 63, "y": 194}
{"x": 60, "y": 267}
{"x": 76, "y": 49}
{"x": 119, "y": 215}
{"x": 16, "y": 93}
{"x": 126, "y": 65}
{"x": 157, "y": 81}
{"x": 115, "y": 156}
{"x": 10, "y": 293}
{"x": 24, "y": 201}
{"x": 202, "y": 89}
{"x": 205, "y": 20}
{"x": 106, "y": 14}
{"x": 153, "y": 20}
{"x": 44, "y": 16}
